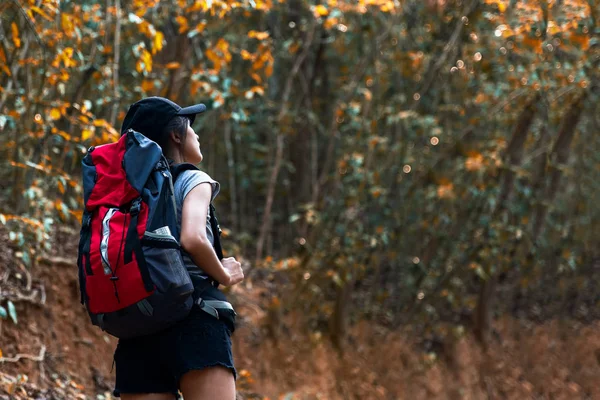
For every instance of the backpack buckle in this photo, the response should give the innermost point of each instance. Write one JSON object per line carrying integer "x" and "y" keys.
{"x": 86, "y": 220}
{"x": 160, "y": 165}
{"x": 135, "y": 207}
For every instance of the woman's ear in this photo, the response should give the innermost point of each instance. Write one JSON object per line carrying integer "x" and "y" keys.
{"x": 174, "y": 137}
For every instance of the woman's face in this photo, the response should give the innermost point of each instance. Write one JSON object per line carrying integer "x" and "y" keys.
{"x": 191, "y": 148}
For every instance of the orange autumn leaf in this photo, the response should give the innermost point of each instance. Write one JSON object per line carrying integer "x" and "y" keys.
{"x": 200, "y": 27}
{"x": 256, "y": 77}
{"x": 246, "y": 55}
{"x": 183, "y": 23}
{"x": 445, "y": 191}
{"x": 293, "y": 49}
{"x": 258, "y": 89}
{"x": 212, "y": 56}
{"x": 147, "y": 85}
{"x": 173, "y": 65}
{"x": 474, "y": 162}
{"x": 269, "y": 70}
{"x": 330, "y": 23}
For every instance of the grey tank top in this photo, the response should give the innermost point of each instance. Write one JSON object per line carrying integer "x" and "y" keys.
{"x": 184, "y": 184}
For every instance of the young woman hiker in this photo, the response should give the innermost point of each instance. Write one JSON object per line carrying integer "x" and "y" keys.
{"x": 193, "y": 356}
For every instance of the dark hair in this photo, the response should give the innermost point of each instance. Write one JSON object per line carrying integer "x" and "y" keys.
{"x": 179, "y": 125}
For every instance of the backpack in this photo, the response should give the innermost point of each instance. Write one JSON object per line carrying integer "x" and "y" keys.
{"x": 132, "y": 277}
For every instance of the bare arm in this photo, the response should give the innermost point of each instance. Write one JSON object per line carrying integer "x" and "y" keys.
{"x": 193, "y": 234}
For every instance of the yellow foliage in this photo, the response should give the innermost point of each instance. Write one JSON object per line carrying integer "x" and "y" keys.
{"x": 321, "y": 11}
{"x": 157, "y": 43}
{"x": 553, "y": 28}
{"x": 55, "y": 114}
{"x": 66, "y": 23}
{"x": 387, "y": 6}
{"x": 264, "y": 5}
{"x": 15, "y": 35}
{"x": 258, "y": 35}
{"x": 86, "y": 134}
{"x": 145, "y": 61}
{"x": 501, "y": 4}
{"x": 65, "y": 57}
{"x": 42, "y": 13}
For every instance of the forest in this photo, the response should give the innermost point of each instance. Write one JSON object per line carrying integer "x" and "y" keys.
{"x": 422, "y": 173}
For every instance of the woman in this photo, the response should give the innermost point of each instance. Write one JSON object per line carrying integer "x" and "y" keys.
{"x": 193, "y": 356}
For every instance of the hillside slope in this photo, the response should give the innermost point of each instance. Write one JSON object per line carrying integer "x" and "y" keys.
{"x": 555, "y": 360}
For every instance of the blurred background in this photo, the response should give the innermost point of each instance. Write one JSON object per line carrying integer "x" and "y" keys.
{"x": 413, "y": 186}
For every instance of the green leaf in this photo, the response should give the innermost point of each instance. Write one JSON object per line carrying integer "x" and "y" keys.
{"x": 3, "y": 313}
{"x": 26, "y": 259}
{"x": 12, "y": 311}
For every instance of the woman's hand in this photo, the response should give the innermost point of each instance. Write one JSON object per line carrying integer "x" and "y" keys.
{"x": 234, "y": 270}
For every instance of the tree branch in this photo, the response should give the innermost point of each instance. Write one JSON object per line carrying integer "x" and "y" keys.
{"x": 434, "y": 68}
{"x": 39, "y": 358}
{"x": 116, "y": 59}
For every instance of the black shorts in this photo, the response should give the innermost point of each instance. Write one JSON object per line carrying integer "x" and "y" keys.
{"x": 156, "y": 363}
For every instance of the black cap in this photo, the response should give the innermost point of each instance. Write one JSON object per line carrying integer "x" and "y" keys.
{"x": 151, "y": 115}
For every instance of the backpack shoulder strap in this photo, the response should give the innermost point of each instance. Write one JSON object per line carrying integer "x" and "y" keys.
{"x": 177, "y": 169}
{"x": 216, "y": 230}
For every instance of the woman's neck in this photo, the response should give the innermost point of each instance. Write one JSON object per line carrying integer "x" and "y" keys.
{"x": 174, "y": 157}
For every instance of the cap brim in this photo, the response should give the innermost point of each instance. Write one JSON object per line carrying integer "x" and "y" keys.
{"x": 192, "y": 110}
